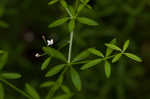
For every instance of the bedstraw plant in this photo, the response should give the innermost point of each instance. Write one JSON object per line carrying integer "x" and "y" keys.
{"x": 112, "y": 55}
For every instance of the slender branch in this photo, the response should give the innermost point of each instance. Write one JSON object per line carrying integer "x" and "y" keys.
{"x": 15, "y": 88}
{"x": 70, "y": 47}
{"x": 59, "y": 82}
{"x": 71, "y": 38}
{"x": 68, "y": 11}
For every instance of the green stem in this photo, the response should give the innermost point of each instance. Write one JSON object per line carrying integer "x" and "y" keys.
{"x": 70, "y": 47}
{"x": 109, "y": 57}
{"x": 71, "y": 38}
{"x": 15, "y": 88}
{"x": 68, "y": 11}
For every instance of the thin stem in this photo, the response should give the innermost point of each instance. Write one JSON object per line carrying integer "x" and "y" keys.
{"x": 70, "y": 47}
{"x": 15, "y": 88}
{"x": 68, "y": 11}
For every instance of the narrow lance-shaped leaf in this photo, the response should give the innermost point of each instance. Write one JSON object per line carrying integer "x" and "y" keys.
{"x": 72, "y": 10}
{"x": 95, "y": 52}
{"x": 64, "y": 4}
{"x": 1, "y": 91}
{"x": 53, "y": 71}
{"x": 64, "y": 96}
{"x": 65, "y": 89}
{"x": 47, "y": 84}
{"x": 91, "y": 64}
{"x": 116, "y": 58}
{"x": 58, "y": 22}
{"x": 75, "y": 79}
{"x": 1, "y": 51}
{"x": 10, "y": 75}
{"x": 112, "y": 46}
{"x": 81, "y": 6}
{"x": 107, "y": 69}
{"x": 71, "y": 25}
{"x": 87, "y": 21}
{"x": 109, "y": 50}
{"x": 3, "y": 59}
{"x": 54, "y": 53}
{"x": 32, "y": 92}
{"x": 84, "y": 1}
{"x": 52, "y": 2}
{"x": 45, "y": 64}
{"x": 126, "y": 45}
{"x": 134, "y": 57}
{"x": 81, "y": 56}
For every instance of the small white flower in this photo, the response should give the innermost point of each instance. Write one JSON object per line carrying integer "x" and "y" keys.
{"x": 37, "y": 55}
{"x": 50, "y": 42}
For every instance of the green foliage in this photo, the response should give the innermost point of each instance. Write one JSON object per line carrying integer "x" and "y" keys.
{"x": 134, "y": 57}
{"x": 95, "y": 52}
{"x": 54, "y": 53}
{"x": 107, "y": 69}
{"x": 75, "y": 79}
{"x": 46, "y": 63}
{"x": 54, "y": 70}
{"x": 3, "y": 59}
{"x": 10, "y": 75}
{"x": 68, "y": 66}
{"x": 87, "y": 21}
{"x": 32, "y": 92}
{"x": 58, "y": 22}
{"x": 91, "y": 64}
{"x": 1, "y": 91}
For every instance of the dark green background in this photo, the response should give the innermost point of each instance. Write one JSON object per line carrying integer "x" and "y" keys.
{"x": 122, "y": 19}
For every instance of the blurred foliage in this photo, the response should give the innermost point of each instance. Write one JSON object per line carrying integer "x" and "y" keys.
{"x": 23, "y": 22}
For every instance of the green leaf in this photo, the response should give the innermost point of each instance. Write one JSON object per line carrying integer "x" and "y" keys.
{"x": 52, "y": 2}
{"x": 81, "y": 6}
{"x": 10, "y": 75}
{"x": 65, "y": 89}
{"x": 84, "y": 1}
{"x": 107, "y": 69}
{"x": 81, "y": 56}
{"x": 109, "y": 50}
{"x": 134, "y": 57}
{"x": 1, "y": 51}
{"x": 75, "y": 79}
{"x": 1, "y": 91}
{"x": 114, "y": 47}
{"x": 72, "y": 10}
{"x": 54, "y": 53}
{"x": 126, "y": 45}
{"x": 91, "y": 64}
{"x": 55, "y": 70}
{"x": 64, "y": 4}
{"x": 116, "y": 58}
{"x": 3, "y": 59}
{"x": 47, "y": 84}
{"x": 32, "y": 92}
{"x": 46, "y": 62}
{"x": 95, "y": 52}
{"x": 58, "y": 22}
{"x": 87, "y": 21}
{"x": 71, "y": 25}
{"x": 3, "y": 24}
{"x": 65, "y": 96}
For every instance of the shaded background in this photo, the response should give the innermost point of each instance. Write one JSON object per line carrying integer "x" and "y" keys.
{"x": 22, "y": 24}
